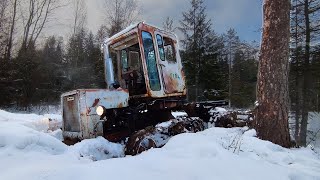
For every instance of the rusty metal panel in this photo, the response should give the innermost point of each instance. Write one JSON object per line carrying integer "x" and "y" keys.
{"x": 122, "y": 34}
{"x": 110, "y": 99}
{"x": 173, "y": 80}
{"x": 70, "y": 113}
{"x": 171, "y": 70}
{"x": 89, "y": 123}
{"x": 172, "y": 77}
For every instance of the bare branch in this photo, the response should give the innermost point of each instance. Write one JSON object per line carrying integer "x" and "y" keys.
{"x": 37, "y": 17}
{"x": 120, "y": 13}
{"x": 79, "y": 15}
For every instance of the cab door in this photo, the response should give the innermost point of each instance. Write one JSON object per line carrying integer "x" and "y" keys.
{"x": 170, "y": 63}
{"x": 149, "y": 52}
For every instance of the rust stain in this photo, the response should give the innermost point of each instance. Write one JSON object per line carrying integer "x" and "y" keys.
{"x": 143, "y": 60}
{"x": 88, "y": 110}
{"x": 95, "y": 103}
{"x": 119, "y": 38}
{"x": 146, "y": 27}
{"x": 171, "y": 83}
{"x": 122, "y": 90}
{"x": 120, "y": 105}
{"x": 70, "y": 104}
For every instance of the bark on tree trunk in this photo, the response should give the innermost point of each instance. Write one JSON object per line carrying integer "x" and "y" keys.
{"x": 298, "y": 90}
{"x": 271, "y": 121}
{"x": 306, "y": 79}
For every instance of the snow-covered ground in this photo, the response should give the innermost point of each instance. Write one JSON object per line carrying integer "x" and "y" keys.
{"x": 31, "y": 148}
{"x": 314, "y": 130}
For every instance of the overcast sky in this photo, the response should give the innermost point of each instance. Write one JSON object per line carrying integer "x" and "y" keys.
{"x": 243, "y": 15}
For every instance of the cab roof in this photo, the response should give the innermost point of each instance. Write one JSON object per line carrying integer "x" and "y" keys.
{"x": 134, "y": 28}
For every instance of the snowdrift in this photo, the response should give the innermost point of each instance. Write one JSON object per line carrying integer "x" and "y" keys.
{"x": 30, "y": 132}
{"x": 16, "y": 137}
{"x": 30, "y": 150}
{"x": 98, "y": 149}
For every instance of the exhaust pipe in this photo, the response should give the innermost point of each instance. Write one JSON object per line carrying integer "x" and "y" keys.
{"x": 108, "y": 69}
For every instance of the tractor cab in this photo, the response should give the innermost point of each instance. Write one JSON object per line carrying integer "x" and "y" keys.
{"x": 145, "y": 61}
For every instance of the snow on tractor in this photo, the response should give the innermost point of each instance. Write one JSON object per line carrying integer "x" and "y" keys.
{"x": 145, "y": 82}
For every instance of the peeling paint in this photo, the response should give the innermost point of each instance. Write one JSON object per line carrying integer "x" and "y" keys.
{"x": 81, "y": 112}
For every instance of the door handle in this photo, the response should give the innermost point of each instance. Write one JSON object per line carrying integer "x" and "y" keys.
{"x": 162, "y": 65}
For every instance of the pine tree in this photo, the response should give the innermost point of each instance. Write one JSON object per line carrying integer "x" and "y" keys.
{"x": 244, "y": 78}
{"x": 271, "y": 120}
{"x": 75, "y": 57}
{"x": 51, "y": 72}
{"x": 94, "y": 64}
{"x": 199, "y": 44}
{"x": 232, "y": 44}
{"x": 168, "y": 25}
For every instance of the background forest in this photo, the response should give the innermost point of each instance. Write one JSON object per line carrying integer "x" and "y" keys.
{"x": 36, "y": 70}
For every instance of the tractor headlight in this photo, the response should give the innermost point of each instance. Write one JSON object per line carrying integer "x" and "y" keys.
{"x": 100, "y": 110}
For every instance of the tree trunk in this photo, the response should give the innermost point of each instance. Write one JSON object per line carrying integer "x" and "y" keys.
{"x": 271, "y": 121}
{"x": 298, "y": 93}
{"x": 230, "y": 69}
{"x": 297, "y": 108}
{"x": 306, "y": 79}
{"x": 9, "y": 45}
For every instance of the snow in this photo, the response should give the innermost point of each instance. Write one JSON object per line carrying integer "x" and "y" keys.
{"x": 98, "y": 149}
{"x": 179, "y": 114}
{"x": 29, "y": 149}
{"x": 314, "y": 129}
{"x": 41, "y": 123}
{"x": 242, "y": 117}
{"x": 217, "y": 112}
{"x": 127, "y": 29}
{"x": 24, "y": 139}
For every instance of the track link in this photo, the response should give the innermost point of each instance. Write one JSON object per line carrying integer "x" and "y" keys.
{"x": 158, "y": 136}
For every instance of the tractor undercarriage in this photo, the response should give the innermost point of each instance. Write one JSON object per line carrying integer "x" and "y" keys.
{"x": 149, "y": 124}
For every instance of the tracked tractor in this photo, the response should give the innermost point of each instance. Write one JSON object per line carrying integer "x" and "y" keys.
{"x": 145, "y": 82}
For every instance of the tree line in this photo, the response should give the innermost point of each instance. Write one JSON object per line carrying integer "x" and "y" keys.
{"x": 217, "y": 66}
{"x": 32, "y": 73}
{"x": 304, "y": 78}
{"x": 37, "y": 71}
{"x": 222, "y": 59}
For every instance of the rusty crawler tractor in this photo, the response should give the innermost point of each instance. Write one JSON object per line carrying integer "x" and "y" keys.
{"x": 145, "y": 82}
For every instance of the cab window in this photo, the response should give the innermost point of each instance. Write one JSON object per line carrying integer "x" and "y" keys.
{"x": 160, "y": 47}
{"x": 124, "y": 60}
{"x": 150, "y": 57}
{"x": 169, "y": 50}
